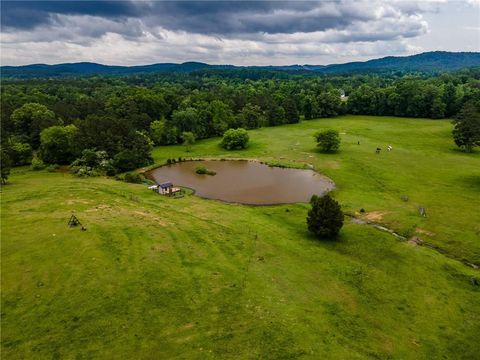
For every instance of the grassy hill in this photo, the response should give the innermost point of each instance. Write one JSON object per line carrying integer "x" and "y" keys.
{"x": 155, "y": 277}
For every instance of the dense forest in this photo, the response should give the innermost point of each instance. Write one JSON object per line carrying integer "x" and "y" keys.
{"x": 112, "y": 122}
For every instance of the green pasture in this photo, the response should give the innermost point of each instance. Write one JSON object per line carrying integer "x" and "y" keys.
{"x": 159, "y": 278}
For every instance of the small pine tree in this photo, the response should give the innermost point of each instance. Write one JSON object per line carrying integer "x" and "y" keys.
{"x": 325, "y": 218}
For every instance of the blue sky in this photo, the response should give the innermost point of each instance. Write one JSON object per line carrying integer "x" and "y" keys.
{"x": 233, "y": 32}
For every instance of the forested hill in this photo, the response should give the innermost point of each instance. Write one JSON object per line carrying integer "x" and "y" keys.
{"x": 425, "y": 62}
{"x": 437, "y": 61}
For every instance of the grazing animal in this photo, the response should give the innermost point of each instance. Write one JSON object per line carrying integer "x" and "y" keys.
{"x": 389, "y": 147}
{"x": 378, "y": 150}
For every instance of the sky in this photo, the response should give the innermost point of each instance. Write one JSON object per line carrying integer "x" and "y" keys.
{"x": 233, "y": 32}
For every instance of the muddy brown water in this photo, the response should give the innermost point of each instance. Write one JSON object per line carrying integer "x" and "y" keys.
{"x": 245, "y": 182}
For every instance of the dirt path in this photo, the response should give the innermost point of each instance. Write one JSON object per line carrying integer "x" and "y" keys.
{"x": 413, "y": 241}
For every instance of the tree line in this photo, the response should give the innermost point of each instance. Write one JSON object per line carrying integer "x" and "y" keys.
{"x": 57, "y": 120}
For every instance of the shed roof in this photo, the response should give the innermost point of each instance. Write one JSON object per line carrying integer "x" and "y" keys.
{"x": 166, "y": 185}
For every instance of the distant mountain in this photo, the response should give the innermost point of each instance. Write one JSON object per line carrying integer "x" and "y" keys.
{"x": 87, "y": 68}
{"x": 426, "y": 62}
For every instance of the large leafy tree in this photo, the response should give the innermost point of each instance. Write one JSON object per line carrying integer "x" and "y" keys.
{"x": 31, "y": 119}
{"x": 187, "y": 119}
{"x": 363, "y": 100}
{"x": 139, "y": 106}
{"x": 163, "y": 133}
{"x": 222, "y": 116}
{"x": 466, "y": 132}
{"x": 20, "y": 152}
{"x": 136, "y": 153}
{"x": 105, "y": 132}
{"x": 328, "y": 104}
{"x": 450, "y": 99}
{"x": 188, "y": 140}
{"x": 275, "y": 115}
{"x": 308, "y": 108}
{"x": 58, "y": 144}
{"x": 251, "y": 117}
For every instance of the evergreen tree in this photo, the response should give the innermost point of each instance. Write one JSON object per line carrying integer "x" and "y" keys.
{"x": 308, "y": 108}
{"x": 325, "y": 218}
{"x": 466, "y": 132}
{"x": 291, "y": 111}
{"x": 5, "y": 163}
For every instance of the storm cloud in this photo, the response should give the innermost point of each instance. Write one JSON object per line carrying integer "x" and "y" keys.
{"x": 220, "y": 18}
{"x": 31, "y": 14}
{"x": 241, "y": 32}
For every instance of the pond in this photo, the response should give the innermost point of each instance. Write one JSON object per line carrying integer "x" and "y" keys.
{"x": 245, "y": 182}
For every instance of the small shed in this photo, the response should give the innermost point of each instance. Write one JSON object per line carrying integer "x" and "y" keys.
{"x": 165, "y": 188}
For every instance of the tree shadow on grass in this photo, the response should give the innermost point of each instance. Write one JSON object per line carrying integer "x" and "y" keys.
{"x": 471, "y": 181}
{"x": 317, "y": 150}
{"x": 458, "y": 150}
{"x": 332, "y": 243}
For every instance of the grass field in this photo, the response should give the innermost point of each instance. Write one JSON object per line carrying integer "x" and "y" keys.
{"x": 155, "y": 277}
{"x": 424, "y": 165}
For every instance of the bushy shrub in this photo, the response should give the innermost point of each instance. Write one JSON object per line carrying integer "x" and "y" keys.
{"x": 325, "y": 218}
{"x": 86, "y": 171}
{"x": 202, "y": 170}
{"x": 133, "y": 177}
{"x": 234, "y": 139}
{"x": 58, "y": 144}
{"x": 328, "y": 140}
{"x": 37, "y": 164}
{"x": 93, "y": 163}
